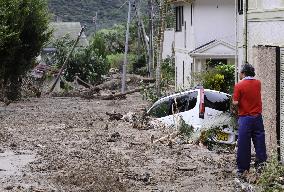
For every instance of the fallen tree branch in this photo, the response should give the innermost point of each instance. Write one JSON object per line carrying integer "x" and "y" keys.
{"x": 114, "y": 96}
{"x": 168, "y": 137}
{"x": 81, "y": 82}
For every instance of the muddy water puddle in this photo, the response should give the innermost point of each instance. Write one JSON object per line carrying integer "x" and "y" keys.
{"x": 12, "y": 162}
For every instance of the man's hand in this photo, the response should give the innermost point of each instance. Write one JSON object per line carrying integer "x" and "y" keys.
{"x": 236, "y": 103}
{"x": 234, "y": 108}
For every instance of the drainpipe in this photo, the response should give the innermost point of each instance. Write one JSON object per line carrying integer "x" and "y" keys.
{"x": 237, "y": 42}
{"x": 245, "y": 37}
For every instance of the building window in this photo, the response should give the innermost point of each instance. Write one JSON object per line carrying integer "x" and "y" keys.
{"x": 179, "y": 18}
{"x": 240, "y": 7}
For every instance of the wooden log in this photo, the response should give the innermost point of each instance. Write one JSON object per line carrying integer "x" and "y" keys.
{"x": 168, "y": 137}
{"x": 114, "y": 96}
{"x": 81, "y": 82}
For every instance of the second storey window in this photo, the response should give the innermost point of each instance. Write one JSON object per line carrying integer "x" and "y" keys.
{"x": 240, "y": 7}
{"x": 179, "y": 17}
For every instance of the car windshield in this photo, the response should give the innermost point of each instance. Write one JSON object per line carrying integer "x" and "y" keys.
{"x": 183, "y": 102}
{"x": 161, "y": 110}
{"x": 176, "y": 104}
{"x": 217, "y": 101}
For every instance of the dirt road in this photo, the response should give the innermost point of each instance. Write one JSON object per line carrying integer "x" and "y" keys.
{"x": 69, "y": 144}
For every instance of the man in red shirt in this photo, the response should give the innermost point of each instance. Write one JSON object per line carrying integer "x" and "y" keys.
{"x": 247, "y": 96}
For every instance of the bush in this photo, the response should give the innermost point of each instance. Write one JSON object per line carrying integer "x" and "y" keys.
{"x": 116, "y": 61}
{"x": 86, "y": 62}
{"x": 87, "y": 65}
{"x": 168, "y": 71}
{"x": 98, "y": 45}
{"x": 220, "y": 78}
{"x": 271, "y": 179}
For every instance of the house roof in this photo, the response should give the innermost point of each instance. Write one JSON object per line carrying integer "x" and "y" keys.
{"x": 61, "y": 29}
{"x": 214, "y": 49}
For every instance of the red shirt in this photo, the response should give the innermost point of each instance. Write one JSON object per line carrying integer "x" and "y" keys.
{"x": 248, "y": 93}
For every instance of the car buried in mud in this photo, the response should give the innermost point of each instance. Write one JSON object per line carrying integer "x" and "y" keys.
{"x": 203, "y": 109}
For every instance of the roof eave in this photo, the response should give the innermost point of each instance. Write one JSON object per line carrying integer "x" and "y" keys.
{"x": 180, "y": 1}
{"x": 216, "y": 56}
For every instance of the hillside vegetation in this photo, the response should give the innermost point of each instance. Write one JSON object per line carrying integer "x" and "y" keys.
{"x": 109, "y": 12}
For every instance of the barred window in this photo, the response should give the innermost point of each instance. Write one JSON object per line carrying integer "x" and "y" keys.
{"x": 179, "y": 18}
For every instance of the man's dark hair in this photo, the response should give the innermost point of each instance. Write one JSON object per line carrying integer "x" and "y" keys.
{"x": 248, "y": 70}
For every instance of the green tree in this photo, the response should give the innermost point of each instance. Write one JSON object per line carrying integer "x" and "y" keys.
{"x": 23, "y": 32}
{"x": 86, "y": 62}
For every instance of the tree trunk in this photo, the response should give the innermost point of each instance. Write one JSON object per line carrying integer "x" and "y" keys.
{"x": 151, "y": 53}
{"x": 13, "y": 88}
{"x": 160, "y": 48}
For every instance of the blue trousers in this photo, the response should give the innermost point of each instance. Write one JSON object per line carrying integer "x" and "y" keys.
{"x": 250, "y": 128}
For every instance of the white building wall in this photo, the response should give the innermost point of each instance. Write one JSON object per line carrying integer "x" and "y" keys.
{"x": 183, "y": 69}
{"x": 169, "y": 37}
{"x": 265, "y": 26}
{"x": 214, "y": 19}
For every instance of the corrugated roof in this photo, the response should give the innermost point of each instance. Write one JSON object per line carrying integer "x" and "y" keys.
{"x": 72, "y": 28}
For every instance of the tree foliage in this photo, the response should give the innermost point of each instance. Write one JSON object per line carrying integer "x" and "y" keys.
{"x": 23, "y": 32}
{"x": 86, "y": 62}
{"x": 220, "y": 78}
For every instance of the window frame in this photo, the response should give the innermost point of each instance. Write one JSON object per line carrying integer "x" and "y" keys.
{"x": 179, "y": 18}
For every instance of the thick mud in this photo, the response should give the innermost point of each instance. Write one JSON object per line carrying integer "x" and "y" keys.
{"x": 69, "y": 144}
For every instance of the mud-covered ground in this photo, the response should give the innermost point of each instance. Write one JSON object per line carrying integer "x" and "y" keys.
{"x": 69, "y": 144}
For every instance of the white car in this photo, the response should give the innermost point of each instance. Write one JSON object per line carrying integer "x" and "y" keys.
{"x": 200, "y": 108}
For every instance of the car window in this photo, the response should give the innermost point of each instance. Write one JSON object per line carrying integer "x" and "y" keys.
{"x": 161, "y": 110}
{"x": 184, "y": 102}
{"x": 218, "y": 101}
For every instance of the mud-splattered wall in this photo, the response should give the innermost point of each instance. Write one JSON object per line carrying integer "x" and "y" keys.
{"x": 264, "y": 61}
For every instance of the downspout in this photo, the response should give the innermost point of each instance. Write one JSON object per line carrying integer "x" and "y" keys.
{"x": 245, "y": 38}
{"x": 237, "y": 42}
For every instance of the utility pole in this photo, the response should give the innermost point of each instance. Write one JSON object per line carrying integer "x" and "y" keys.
{"x": 123, "y": 83}
{"x": 67, "y": 58}
{"x": 245, "y": 36}
{"x": 95, "y": 20}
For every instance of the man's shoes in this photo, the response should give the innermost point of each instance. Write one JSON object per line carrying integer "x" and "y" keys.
{"x": 259, "y": 167}
{"x": 240, "y": 175}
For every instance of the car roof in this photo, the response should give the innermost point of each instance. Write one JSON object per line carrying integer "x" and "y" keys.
{"x": 185, "y": 92}
{"x": 192, "y": 90}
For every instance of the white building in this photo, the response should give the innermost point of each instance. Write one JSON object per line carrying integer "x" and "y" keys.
{"x": 205, "y": 31}
{"x": 265, "y": 26}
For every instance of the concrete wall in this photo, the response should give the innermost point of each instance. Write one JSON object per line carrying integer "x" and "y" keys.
{"x": 264, "y": 59}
